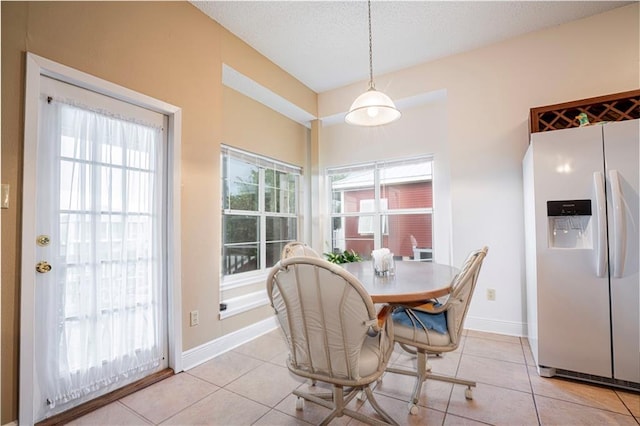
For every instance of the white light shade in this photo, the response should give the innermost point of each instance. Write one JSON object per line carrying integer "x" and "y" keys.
{"x": 372, "y": 108}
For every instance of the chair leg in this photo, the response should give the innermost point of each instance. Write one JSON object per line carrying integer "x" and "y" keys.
{"x": 421, "y": 377}
{"x": 468, "y": 394}
{"x": 339, "y": 401}
{"x": 377, "y": 406}
{"x": 422, "y": 373}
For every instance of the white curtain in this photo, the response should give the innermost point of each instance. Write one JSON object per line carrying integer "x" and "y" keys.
{"x": 100, "y": 199}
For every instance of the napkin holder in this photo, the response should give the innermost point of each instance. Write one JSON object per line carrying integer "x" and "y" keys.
{"x": 383, "y": 262}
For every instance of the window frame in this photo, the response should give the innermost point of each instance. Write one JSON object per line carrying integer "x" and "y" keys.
{"x": 232, "y": 281}
{"x": 380, "y": 216}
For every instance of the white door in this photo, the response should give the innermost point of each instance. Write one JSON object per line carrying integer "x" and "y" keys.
{"x": 100, "y": 285}
{"x": 621, "y": 153}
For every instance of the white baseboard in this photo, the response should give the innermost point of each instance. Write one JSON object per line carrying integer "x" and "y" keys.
{"x": 212, "y": 349}
{"x": 510, "y": 328}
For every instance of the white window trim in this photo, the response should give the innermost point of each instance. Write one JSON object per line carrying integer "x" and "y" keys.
{"x": 377, "y": 185}
{"x": 368, "y": 215}
{"x": 35, "y": 67}
{"x": 252, "y": 277}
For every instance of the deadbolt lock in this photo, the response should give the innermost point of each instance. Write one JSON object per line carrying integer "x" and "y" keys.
{"x": 43, "y": 240}
{"x": 43, "y": 267}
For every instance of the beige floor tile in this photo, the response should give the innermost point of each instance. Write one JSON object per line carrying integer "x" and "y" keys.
{"x": 264, "y": 348}
{"x": 493, "y": 336}
{"x": 446, "y": 363}
{"x": 495, "y": 405}
{"x": 556, "y": 412}
{"x": 631, "y": 400}
{"x": 435, "y": 394}
{"x": 494, "y": 372}
{"x": 311, "y": 413}
{"x": 257, "y": 390}
{"x": 528, "y": 355}
{"x": 576, "y": 392}
{"x": 451, "y": 420}
{"x": 267, "y": 384}
{"x": 275, "y": 417}
{"x": 225, "y": 368}
{"x": 113, "y": 414}
{"x": 280, "y": 359}
{"x": 399, "y": 411}
{"x": 494, "y": 349}
{"x": 276, "y": 333}
{"x": 220, "y": 408}
{"x": 166, "y": 398}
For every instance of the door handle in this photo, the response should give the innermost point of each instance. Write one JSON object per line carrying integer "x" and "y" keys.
{"x": 601, "y": 260}
{"x": 43, "y": 267}
{"x": 619, "y": 225}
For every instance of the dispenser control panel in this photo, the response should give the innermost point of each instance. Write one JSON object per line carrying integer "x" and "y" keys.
{"x": 569, "y": 208}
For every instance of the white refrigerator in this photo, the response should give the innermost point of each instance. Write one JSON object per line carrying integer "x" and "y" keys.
{"x": 582, "y": 235}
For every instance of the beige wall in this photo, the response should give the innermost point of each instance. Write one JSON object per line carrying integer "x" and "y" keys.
{"x": 489, "y": 94}
{"x": 172, "y": 52}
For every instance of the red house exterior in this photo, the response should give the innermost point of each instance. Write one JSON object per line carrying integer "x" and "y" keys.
{"x": 399, "y": 227}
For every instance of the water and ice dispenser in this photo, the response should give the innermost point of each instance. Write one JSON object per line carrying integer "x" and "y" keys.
{"x": 570, "y": 224}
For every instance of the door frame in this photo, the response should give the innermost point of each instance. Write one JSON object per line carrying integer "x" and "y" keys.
{"x": 37, "y": 66}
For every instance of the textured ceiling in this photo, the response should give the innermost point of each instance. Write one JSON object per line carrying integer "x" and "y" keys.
{"x": 325, "y": 44}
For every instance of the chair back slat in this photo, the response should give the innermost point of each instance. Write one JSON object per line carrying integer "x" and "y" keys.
{"x": 325, "y": 314}
{"x": 462, "y": 288}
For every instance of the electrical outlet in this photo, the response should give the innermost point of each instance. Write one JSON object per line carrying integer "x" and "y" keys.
{"x": 195, "y": 318}
{"x": 491, "y": 294}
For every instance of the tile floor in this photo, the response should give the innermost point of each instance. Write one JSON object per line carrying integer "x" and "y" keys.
{"x": 251, "y": 386}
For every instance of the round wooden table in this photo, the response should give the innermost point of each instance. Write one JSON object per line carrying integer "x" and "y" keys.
{"x": 412, "y": 282}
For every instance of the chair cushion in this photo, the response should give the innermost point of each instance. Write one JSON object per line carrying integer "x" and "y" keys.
{"x": 417, "y": 335}
{"x": 436, "y": 322}
{"x": 412, "y": 335}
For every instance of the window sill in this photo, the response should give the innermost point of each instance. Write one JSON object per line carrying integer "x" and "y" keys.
{"x": 248, "y": 279}
{"x": 244, "y": 303}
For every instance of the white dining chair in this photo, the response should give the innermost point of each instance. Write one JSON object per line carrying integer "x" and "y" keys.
{"x": 428, "y": 327}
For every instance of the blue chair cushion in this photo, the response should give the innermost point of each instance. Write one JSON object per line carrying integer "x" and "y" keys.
{"x": 435, "y": 322}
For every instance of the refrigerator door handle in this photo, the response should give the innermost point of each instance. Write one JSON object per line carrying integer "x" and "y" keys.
{"x": 619, "y": 225}
{"x": 601, "y": 244}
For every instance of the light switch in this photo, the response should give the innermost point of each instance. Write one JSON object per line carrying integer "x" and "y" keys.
{"x": 4, "y": 196}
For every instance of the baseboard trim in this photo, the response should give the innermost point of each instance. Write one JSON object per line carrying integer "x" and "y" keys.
{"x": 213, "y": 348}
{"x": 510, "y": 328}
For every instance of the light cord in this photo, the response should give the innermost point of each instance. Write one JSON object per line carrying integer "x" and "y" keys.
{"x": 371, "y": 86}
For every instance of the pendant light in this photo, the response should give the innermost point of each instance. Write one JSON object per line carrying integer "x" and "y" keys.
{"x": 372, "y": 108}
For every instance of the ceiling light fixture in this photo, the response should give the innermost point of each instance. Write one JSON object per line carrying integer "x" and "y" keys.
{"x": 372, "y": 108}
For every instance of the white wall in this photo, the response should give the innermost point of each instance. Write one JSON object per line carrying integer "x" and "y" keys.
{"x": 343, "y": 144}
{"x": 489, "y": 93}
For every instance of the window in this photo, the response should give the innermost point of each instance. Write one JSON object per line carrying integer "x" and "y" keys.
{"x": 383, "y": 204}
{"x": 260, "y": 210}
